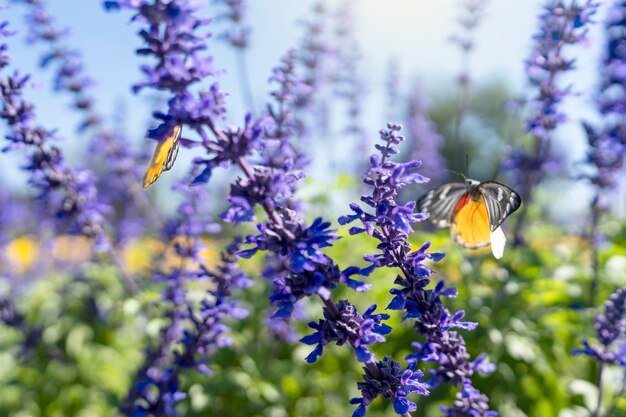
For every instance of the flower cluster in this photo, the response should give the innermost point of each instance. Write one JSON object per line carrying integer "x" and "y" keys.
{"x": 607, "y": 144}
{"x": 390, "y": 223}
{"x": 70, "y": 72}
{"x": 281, "y": 122}
{"x": 206, "y": 332}
{"x": 563, "y": 24}
{"x": 388, "y": 380}
{"x": 469, "y": 403}
{"x": 5, "y": 58}
{"x": 301, "y": 269}
{"x": 108, "y": 144}
{"x": 348, "y": 326}
{"x": 174, "y": 37}
{"x": 314, "y": 57}
{"x": 48, "y": 171}
{"x": 298, "y": 266}
{"x": 228, "y": 147}
{"x": 314, "y": 51}
{"x": 472, "y": 13}
{"x": 193, "y": 331}
{"x": 610, "y": 328}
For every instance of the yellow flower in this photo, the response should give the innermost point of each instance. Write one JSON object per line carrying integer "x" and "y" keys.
{"x": 138, "y": 255}
{"x": 72, "y": 249}
{"x": 21, "y": 253}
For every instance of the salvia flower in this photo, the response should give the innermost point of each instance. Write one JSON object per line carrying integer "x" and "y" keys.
{"x": 562, "y": 24}
{"x": 229, "y": 147}
{"x": 207, "y": 331}
{"x": 390, "y": 381}
{"x": 314, "y": 50}
{"x": 472, "y": 13}
{"x": 347, "y": 327}
{"x": 452, "y": 362}
{"x": 48, "y": 171}
{"x": 469, "y": 402}
{"x": 268, "y": 186}
{"x": 607, "y": 143}
{"x": 281, "y": 123}
{"x": 175, "y": 37}
{"x": 390, "y": 223}
{"x": 106, "y": 144}
{"x": 302, "y": 268}
{"x": 194, "y": 331}
{"x": 70, "y": 74}
{"x": 610, "y": 328}
{"x": 315, "y": 65}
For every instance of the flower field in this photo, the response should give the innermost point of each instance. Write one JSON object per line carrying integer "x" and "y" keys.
{"x": 324, "y": 238}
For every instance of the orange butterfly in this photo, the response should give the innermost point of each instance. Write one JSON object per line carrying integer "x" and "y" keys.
{"x": 163, "y": 157}
{"x": 473, "y": 210}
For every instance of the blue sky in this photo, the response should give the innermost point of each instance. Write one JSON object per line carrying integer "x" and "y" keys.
{"x": 414, "y": 32}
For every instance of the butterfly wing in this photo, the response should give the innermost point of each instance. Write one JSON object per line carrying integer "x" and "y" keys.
{"x": 441, "y": 201}
{"x": 501, "y": 201}
{"x": 470, "y": 223}
{"x": 163, "y": 157}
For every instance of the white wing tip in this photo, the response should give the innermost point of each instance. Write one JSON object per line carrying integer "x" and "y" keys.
{"x": 498, "y": 241}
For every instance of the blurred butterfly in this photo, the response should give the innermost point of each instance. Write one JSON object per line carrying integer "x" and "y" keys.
{"x": 473, "y": 210}
{"x": 163, "y": 157}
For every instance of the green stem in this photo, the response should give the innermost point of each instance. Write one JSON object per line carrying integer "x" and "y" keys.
{"x": 596, "y": 412}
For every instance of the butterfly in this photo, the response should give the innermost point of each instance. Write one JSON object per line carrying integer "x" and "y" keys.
{"x": 473, "y": 210}
{"x": 163, "y": 157}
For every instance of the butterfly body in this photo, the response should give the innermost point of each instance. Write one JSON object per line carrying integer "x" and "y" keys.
{"x": 163, "y": 157}
{"x": 473, "y": 210}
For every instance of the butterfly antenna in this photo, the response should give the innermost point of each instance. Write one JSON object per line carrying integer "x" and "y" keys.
{"x": 457, "y": 173}
{"x": 466, "y": 164}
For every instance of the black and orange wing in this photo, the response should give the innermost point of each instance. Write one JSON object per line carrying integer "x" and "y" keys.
{"x": 470, "y": 223}
{"x": 501, "y": 201}
{"x": 163, "y": 157}
{"x": 441, "y": 201}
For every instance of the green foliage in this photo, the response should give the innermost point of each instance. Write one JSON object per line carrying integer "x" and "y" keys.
{"x": 532, "y": 308}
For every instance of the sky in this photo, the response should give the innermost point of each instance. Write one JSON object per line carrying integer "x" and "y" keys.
{"x": 415, "y": 33}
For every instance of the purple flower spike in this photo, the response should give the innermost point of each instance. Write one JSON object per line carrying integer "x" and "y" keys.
{"x": 607, "y": 142}
{"x": 194, "y": 330}
{"x": 176, "y": 38}
{"x": 387, "y": 379}
{"x": 562, "y": 24}
{"x": 390, "y": 224}
{"x": 469, "y": 403}
{"x": 229, "y": 148}
{"x": 347, "y": 326}
{"x": 78, "y": 204}
{"x": 610, "y": 331}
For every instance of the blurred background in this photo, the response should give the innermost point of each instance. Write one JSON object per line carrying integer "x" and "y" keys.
{"x": 411, "y": 41}
{"x": 460, "y": 87}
